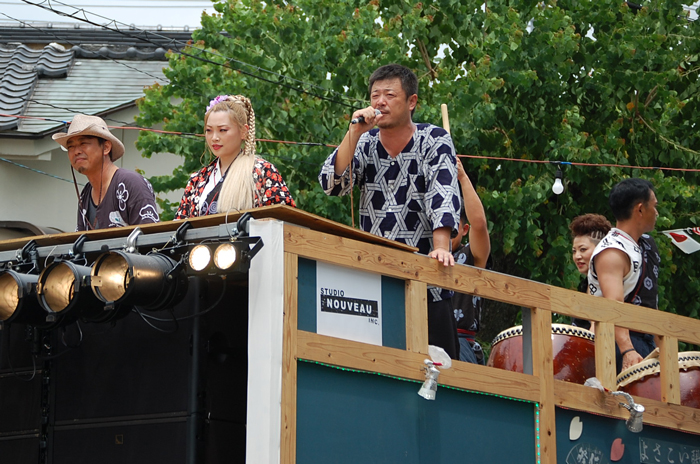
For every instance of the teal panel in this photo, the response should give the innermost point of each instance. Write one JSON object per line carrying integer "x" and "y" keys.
{"x": 393, "y": 313}
{"x": 306, "y": 319}
{"x": 653, "y": 445}
{"x": 348, "y": 418}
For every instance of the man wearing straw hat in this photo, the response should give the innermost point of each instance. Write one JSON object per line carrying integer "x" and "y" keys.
{"x": 113, "y": 197}
{"x": 407, "y": 174}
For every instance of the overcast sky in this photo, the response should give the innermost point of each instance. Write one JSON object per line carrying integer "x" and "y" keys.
{"x": 167, "y": 13}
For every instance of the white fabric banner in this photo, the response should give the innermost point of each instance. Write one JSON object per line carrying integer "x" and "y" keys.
{"x": 265, "y": 333}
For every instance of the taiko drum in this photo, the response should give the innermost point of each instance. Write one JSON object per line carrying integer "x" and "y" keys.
{"x": 573, "y": 349}
{"x": 643, "y": 379}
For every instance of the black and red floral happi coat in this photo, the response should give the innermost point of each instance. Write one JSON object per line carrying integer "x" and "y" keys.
{"x": 269, "y": 187}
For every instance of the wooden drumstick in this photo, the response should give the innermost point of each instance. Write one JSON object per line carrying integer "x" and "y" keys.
{"x": 445, "y": 118}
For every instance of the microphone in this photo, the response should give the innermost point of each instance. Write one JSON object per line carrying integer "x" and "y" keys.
{"x": 362, "y": 118}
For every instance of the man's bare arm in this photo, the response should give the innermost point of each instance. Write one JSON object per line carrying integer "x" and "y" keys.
{"x": 479, "y": 241}
{"x": 612, "y": 265}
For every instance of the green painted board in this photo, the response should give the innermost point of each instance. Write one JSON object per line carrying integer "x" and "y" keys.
{"x": 352, "y": 417}
{"x": 653, "y": 445}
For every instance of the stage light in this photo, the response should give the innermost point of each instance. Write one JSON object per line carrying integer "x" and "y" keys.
{"x": 225, "y": 256}
{"x": 150, "y": 282}
{"x": 218, "y": 258}
{"x": 18, "y": 301}
{"x": 64, "y": 291}
{"x": 199, "y": 258}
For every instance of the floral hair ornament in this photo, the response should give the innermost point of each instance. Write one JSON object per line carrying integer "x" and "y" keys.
{"x": 216, "y": 101}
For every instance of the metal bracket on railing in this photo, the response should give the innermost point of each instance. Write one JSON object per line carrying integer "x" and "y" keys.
{"x": 634, "y": 422}
{"x": 77, "y": 248}
{"x": 131, "y": 240}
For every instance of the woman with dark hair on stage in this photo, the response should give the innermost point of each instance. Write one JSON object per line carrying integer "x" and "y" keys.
{"x": 587, "y": 231}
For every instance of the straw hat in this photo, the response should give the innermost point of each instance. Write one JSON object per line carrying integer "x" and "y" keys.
{"x": 83, "y": 124}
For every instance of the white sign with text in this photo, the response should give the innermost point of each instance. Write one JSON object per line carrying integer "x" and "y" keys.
{"x": 348, "y": 304}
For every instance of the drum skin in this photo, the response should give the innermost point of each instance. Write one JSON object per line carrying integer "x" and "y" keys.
{"x": 648, "y": 382}
{"x": 573, "y": 350}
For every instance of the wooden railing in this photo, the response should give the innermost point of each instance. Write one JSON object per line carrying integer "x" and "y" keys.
{"x": 543, "y": 300}
{"x": 321, "y": 240}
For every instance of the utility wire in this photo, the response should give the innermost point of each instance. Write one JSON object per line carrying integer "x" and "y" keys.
{"x": 120, "y": 62}
{"x": 37, "y": 171}
{"x": 132, "y": 6}
{"x": 64, "y": 40}
{"x": 47, "y": 5}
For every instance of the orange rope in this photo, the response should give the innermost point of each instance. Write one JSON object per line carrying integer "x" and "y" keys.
{"x": 571, "y": 163}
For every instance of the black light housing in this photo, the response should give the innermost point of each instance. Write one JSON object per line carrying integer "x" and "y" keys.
{"x": 64, "y": 292}
{"x": 18, "y": 301}
{"x": 151, "y": 282}
{"x": 228, "y": 257}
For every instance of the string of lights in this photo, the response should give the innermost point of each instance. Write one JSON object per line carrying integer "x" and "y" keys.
{"x": 143, "y": 35}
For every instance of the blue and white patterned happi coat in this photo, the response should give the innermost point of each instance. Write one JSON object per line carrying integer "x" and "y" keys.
{"x": 407, "y": 197}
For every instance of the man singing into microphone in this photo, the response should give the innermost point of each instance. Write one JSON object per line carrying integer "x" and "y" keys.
{"x": 407, "y": 174}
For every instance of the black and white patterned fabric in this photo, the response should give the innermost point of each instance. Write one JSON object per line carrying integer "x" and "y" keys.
{"x": 407, "y": 197}
{"x": 467, "y": 308}
{"x": 640, "y": 284}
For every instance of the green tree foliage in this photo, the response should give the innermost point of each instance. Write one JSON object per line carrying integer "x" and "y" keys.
{"x": 571, "y": 81}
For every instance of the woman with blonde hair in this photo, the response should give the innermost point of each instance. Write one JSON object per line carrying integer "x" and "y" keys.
{"x": 236, "y": 179}
{"x": 587, "y": 231}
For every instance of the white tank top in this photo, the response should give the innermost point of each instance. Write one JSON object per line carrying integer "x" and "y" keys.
{"x": 620, "y": 241}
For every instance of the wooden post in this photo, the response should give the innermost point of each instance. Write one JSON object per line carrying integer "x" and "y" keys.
{"x": 543, "y": 368}
{"x": 416, "y": 316}
{"x": 445, "y": 118}
{"x": 605, "y": 354}
{"x": 288, "y": 451}
{"x": 670, "y": 376}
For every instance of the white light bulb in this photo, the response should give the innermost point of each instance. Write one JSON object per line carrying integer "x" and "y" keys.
{"x": 558, "y": 187}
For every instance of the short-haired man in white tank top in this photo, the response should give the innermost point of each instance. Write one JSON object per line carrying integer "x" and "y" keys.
{"x": 625, "y": 264}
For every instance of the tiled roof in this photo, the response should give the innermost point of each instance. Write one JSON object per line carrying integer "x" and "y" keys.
{"x": 69, "y": 36}
{"x": 92, "y": 87}
{"x": 55, "y": 83}
{"x": 21, "y": 68}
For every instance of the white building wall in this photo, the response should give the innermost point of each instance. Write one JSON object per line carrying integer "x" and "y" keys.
{"x": 43, "y": 200}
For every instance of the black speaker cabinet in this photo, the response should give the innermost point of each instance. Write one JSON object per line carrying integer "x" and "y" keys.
{"x": 129, "y": 392}
{"x": 20, "y": 397}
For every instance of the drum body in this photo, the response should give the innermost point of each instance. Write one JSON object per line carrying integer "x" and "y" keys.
{"x": 644, "y": 380}
{"x": 573, "y": 350}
